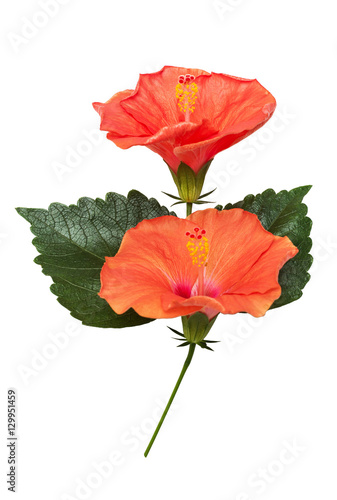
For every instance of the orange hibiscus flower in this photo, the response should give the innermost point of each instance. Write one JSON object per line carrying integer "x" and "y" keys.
{"x": 186, "y": 115}
{"x": 213, "y": 261}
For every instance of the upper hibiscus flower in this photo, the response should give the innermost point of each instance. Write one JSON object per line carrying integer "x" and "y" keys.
{"x": 186, "y": 115}
{"x": 210, "y": 262}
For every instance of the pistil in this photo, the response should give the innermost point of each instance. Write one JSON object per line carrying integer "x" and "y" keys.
{"x": 198, "y": 248}
{"x": 186, "y": 93}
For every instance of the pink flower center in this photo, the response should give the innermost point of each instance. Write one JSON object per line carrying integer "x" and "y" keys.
{"x": 187, "y": 290}
{"x": 183, "y": 290}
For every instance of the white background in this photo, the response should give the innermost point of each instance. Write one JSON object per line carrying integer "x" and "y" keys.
{"x": 270, "y": 381}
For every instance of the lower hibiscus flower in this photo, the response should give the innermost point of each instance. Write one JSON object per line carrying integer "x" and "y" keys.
{"x": 212, "y": 262}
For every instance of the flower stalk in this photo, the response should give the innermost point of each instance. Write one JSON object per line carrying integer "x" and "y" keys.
{"x": 181, "y": 376}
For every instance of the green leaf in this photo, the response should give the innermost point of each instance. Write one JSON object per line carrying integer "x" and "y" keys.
{"x": 73, "y": 243}
{"x": 284, "y": 214}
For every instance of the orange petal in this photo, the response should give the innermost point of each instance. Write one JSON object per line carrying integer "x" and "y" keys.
{"x": 244, "y": 259}
{"x": 227, "y": 110}
{"x": 229, "y": 100}
{"x": 114, "y": 118}
{"x": 164, "y": 143}
{"x": 165, "y": 140}
{"x": 197, "y": 154}
{"x": 236, "y": 240}
{"x": 154, "y": 101}
{"x": 237, "y": 107}
{"x": 151, "y": 260}
{"x": 154, "y": 274}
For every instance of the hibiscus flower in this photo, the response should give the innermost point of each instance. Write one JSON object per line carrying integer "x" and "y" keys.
{"x": 212, "y": 262}
{"x": 187, "y": 116}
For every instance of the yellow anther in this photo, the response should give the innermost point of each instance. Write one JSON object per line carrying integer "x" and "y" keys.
{"x": 198, "y": 250}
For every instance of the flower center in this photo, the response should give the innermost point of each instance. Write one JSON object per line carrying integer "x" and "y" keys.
{"x": 198, "y": 248}
{"x": 186, "y": 93}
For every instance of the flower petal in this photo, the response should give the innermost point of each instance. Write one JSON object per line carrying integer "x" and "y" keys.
{"x": 244, "y": 259}
{"x": 165, "y": 140}
{"x": 229, "y": 100}
{"x": 154, "y": 274}
{"x": 237, "y": 108}
{"x": 151, "y": 262}
{"x": 154, "y": 101}
{"x": 227, "y": 110}
{"x": 116, "y": 120}
{"x": 236, "y": 241}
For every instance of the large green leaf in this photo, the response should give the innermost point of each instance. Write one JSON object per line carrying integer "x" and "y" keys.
{"x": 73, "y": 243}
{"x": 284, "y": 214}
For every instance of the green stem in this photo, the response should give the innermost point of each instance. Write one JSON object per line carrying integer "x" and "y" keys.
{"x": 188, "y": 209}
{"x": 181, "y": 376}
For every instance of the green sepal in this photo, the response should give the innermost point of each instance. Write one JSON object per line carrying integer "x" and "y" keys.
{"x": 202, "y": 202}
{"x": 207, "y": 194}
{"x": 177, "y": 203}
{"x": 184, "y": 344}
{"x": 189, "y": 184}
{"x": 175, "y": 331}
{"x": 73, "y": 243}
{"x": 204, "y": 345}
{"x": 172, "y": 196}
{"x": 196, "y": 327}
{"x": 284, "y": 214}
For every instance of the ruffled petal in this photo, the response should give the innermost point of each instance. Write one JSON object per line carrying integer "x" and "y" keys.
{"x": 116, "y": 120}
{"x": 165, "y": 140}
{"x": 154, "y": 101}
{"x": 236, "y": 241}
{"x": 227, "y": 110}
{"x": 151, "y": 262}
{"x": 244, "y": 259}
{"x": 229, "y": 100}
{"x": 200, "y": 152}
{"x": 154, "y": 274}
{"x": 263, "y": 275}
